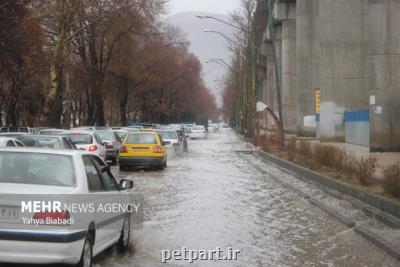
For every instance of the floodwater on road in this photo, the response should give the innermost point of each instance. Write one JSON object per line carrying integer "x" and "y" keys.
{"x": 214, "y": 197}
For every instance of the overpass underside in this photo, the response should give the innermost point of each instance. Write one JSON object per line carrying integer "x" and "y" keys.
{"x": 339, "y": 69}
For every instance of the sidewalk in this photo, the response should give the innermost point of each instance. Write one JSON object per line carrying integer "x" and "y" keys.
{"x": 384, "y": 159}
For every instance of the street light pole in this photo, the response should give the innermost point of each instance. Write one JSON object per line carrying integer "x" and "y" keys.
{"x": 220, "y": 20}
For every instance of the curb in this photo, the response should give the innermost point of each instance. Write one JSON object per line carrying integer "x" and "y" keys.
{"x": 333, "y": 213}
{"x": 380, "y": 242}
{"x": 375, "y": 201}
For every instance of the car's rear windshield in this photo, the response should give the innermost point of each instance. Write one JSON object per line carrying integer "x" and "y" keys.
{"x": 105, "y": 135}
{"x": 40, "y": 141}
{"x": 168, "y": 135}
{"x": 141, "y": 138}
{"x": 80, "y": 139}
{"x": 36, "y": 168}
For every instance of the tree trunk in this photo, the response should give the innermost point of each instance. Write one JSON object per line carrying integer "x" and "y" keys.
{"x": 12, "y": 114}
{"x": 56, "y": 102}
{"x": 123, "y": 107}
{"x": 100, "y": 121}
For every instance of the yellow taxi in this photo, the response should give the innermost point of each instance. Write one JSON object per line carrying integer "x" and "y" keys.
{"x": 142, "y": 150}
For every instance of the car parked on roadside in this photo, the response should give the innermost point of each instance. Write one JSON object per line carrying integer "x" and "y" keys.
{"x": 10, "y": 142}
{"x": 62, "y": 176}
{"x": 14, "y": 134}
{"x": 47, "y": 141}
{"x": 87, "y": 140}
{"x": 198, "y": 132}
{"x": 143, "y": 150}
{"x": 110, "y": 143}
{"x": 51, "y": 132}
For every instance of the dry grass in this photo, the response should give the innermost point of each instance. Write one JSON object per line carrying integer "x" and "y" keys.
{"x": 320, "y": 157}
{"x": 346, "y": 167}
{"x": 391, "y": 180}
{"x": 365, "y": 168}
{"x": 291, "y": 149}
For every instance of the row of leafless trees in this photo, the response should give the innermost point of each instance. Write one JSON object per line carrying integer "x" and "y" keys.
{"x": 70, "y": 62}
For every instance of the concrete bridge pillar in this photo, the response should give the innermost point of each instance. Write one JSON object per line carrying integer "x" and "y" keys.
{"x": 384, "y": 83}
{"x": 343, "y": 57}
{"x": 307, "y": 66}
{"x": 285, "y": 13}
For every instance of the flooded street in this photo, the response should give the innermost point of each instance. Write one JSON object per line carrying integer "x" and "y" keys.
{"x": 213, "y": 197}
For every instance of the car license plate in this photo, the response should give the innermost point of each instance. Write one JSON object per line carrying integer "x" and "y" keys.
{"x": 8, "y": 213}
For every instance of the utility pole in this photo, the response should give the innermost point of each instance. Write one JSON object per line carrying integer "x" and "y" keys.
{"x": 270, "y": 26}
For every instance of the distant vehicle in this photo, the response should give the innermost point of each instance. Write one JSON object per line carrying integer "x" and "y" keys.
{"x": 170, "y": 138}
{"x": 91, "y": 128}
{"x": 120, "y": 135}
{"x": 87, "y": 140}
{"x": 214, "y": 127}
{"x": 10, "y": 142}
{"x": 36, "y": 130}
{"x": 134, "y": 127}
{"x": 198, "y": 132}
{"x": 46, "y": 141}
{"x": 14, "y": 134}
{"x": 111, "y": 144}
{"x": 150, "y": 126}
{"x": 51, "y": 131}
{"x": 143, "y": 150}
{"x": 64, "y": 176}
{"x": 16, "y": 130}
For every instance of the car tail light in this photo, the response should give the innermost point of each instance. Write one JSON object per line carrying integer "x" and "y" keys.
{"x": 124, "y": 149}
{"x": 109, "y": 146}
{"x": 63, "y": 215}
{"x": 92, "y": 148}
{"x": 157, "y": 149}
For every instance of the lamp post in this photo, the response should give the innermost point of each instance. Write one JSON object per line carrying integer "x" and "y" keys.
{"x": 220, "y": 20}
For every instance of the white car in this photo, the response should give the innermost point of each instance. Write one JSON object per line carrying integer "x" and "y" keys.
{"x": 198, "y": 132}
{"x": 39, "y": 222}
{"x": 171, "y": 141}
{"x": 87, "y": 140}
{"x": 10, "y": 142}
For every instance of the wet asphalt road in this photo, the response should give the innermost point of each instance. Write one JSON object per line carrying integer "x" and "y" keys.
{"x": 214, "y": 196}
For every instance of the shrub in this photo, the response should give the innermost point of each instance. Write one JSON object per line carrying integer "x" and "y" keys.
{"x": 350, "y": 164}
{"x": 291, "y": 149}
{"x": 325, "y": 155}
{"x": 365, "y": 168}
{"x": 305, "y": 149}
{"x": 391, "y": 180}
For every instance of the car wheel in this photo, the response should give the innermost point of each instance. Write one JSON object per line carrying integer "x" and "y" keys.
{"x": 165, "y": 164}
{"x": 122, "y": 168}
{"x": 123, "y": 242}
{"x": 87, "y": 253}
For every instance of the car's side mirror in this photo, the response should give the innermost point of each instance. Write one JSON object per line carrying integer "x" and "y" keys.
{"x": 125, "y": 184}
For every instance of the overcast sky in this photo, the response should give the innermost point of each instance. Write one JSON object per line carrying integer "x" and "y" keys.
{"x": 214, "y": 6}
